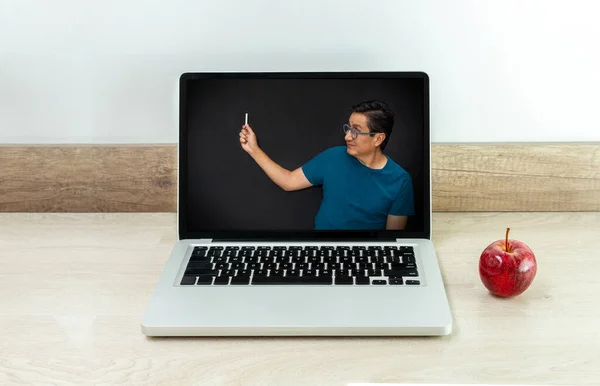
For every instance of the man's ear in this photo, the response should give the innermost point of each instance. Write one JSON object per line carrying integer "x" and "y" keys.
{"x": 380, "y": 138}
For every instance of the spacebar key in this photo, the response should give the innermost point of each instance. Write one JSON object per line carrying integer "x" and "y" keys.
{"x": 276, "y": 280}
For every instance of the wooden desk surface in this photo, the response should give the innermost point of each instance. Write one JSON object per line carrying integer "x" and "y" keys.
{"x": 73, "y": 288}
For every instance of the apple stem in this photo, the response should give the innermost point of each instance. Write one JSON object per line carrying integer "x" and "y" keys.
{"x": 506, "y": 242}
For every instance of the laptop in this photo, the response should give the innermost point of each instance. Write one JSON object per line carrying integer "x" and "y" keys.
{"x": 304, "y": 209}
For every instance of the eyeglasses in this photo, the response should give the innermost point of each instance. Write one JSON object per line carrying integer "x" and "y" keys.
{"x": 354, "y": 133}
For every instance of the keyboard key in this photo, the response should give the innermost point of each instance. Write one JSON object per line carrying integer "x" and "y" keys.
{"x": 408, "y": 259}
{"x": 374, "y": 272}
{"x": 333, "y": 266}
{"x": 360, "y": 273}
{"x": 188, "y": 280}
{"x": 200, "y": 265}
{"x": 240, "y": 280}
{"x": 205, "y": 279}
{"x": 199, "y": 253}
{"x": 200, "y": 259}
{"x": 362, "y": 259}
{"x": 301, "y": 265}
{"x": 379, "y": 282}
{"x": 314, "y": 266}
{"x": 222, "y": 280}
{"x": 413, "y": 282}
{"x": 362, "y": 280}
{"x": 355, "y": 271}
{"x": 203, "y": 271}
{"x": 378, "y": 259}
{"x": 274, "y": 280}
{"x": 344, "y": 280}
{"x": 211, "y": 273}
{"x": 381, "y": 266}
{"x": 364, "y": 265}
{"x": 400, "y": 273}
{"x": 396, "y": 280}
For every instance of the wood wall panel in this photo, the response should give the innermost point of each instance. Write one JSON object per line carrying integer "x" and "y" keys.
{"x": 143, "y": 178}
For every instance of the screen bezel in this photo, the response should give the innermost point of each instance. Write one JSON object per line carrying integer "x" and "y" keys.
{"x": 182, "y": 202}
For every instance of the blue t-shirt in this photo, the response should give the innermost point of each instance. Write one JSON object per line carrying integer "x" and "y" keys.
{"x": 356, "y": 196}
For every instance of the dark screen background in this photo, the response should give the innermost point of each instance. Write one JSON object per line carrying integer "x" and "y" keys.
{"x": 294, "y": 120}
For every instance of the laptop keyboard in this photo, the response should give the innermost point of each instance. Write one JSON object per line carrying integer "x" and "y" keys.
{"x": 310, "y": 265}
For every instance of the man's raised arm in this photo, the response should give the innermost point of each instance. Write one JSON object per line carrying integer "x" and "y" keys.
{"x": 285, "y": 179}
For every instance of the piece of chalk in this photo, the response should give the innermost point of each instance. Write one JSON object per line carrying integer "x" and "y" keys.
{"x": 246, "y": 118}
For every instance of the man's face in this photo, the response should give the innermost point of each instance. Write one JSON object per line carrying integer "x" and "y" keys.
{"x": 363, "y": 143}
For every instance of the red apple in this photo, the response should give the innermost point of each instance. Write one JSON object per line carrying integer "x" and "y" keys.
{"x": 507, "y": 267}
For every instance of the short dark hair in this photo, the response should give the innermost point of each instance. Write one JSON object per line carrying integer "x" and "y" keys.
{"x": 380, "y": 117}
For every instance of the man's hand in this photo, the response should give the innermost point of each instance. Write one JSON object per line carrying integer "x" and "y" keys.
{"x": 248, "y": 139}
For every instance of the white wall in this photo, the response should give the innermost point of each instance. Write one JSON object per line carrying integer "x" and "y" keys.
{"x": 75, "y": 71}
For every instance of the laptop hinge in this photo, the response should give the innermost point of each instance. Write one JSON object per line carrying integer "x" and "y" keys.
{"x": 205, "y": 241}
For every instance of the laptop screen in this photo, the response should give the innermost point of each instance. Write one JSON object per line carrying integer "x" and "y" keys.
{"x": 311, "y": 155}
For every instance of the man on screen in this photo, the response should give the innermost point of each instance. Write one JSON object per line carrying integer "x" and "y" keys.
{"x": 363, "y": 189}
